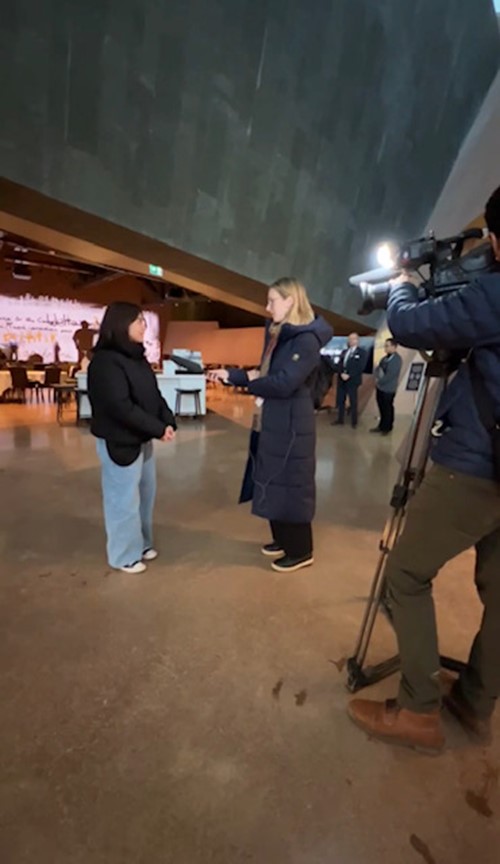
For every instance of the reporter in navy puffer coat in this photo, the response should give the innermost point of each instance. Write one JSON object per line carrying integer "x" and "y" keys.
{"x": 280, "y": 474}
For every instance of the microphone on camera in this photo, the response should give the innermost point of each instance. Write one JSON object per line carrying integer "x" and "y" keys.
{"x": 468, "y": 234}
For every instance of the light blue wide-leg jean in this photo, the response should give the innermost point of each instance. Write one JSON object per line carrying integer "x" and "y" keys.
{"x": 128, "y": 493}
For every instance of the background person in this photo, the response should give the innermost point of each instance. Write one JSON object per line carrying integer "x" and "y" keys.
{"x": 387, "y": 379}
{"x": 128, "y": 411}
{"x": 350, "y": 377}
{"x": 84, "y": 340}
{"x": 280, "y": 474}
{"x": 456, "y": 507}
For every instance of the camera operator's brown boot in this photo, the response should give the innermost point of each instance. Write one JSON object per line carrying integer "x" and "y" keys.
{"x": 386, "y": 720}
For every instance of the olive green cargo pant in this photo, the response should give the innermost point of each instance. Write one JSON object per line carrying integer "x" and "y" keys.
{"x": 450, "y": 513}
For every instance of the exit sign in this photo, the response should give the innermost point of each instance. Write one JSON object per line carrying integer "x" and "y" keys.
{"x": 155, "y": 271}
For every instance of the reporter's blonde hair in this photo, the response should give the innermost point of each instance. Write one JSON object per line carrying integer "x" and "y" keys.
{"x": 301, "y": 311}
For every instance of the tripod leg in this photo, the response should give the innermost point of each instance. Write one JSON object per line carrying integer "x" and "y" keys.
{"x": 376, "y": 600}
{"x": 376, "y": 597}
{"x": 410, "y": 476}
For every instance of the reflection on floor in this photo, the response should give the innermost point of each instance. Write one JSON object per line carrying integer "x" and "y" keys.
{"x": 235, "y": 406}
{"x": 196, "y": 714}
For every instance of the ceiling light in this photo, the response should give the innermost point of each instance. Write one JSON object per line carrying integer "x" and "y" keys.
{"x": 386, "y": 255}
{"x": 21, "y": 270}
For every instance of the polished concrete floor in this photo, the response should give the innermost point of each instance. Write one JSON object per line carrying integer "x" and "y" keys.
{"x": 196, "y": 714}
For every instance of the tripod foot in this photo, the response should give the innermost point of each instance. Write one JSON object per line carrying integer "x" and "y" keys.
{"x": 359, "y": 677}
{"x": 356, "y": 676}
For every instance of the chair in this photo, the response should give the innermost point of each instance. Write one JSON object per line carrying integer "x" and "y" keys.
{"x": 195, "y": 395}
{"x": 52, "y": 377}
{"x": 21, "y": 383}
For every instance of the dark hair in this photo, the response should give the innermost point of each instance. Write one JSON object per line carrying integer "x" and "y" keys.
{"x": 113, "y": 332}
{"x": 391, "y": 341}
{"x": 492, "y": 213}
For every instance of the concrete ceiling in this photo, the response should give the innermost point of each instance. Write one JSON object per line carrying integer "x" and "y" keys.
{"x": 91, "y": 240}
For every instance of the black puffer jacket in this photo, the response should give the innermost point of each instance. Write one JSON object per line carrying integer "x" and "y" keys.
{"x": 127, "y": 407}
{"x": 280, "y": 474}
{"x": 463, "y": 320}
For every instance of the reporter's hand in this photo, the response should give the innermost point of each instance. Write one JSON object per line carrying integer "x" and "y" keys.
{"x": 345, "y": 376}
{"x": 253, "y": 374}
{"x": 218, "y": 376}
{"x": 169, "y": 434}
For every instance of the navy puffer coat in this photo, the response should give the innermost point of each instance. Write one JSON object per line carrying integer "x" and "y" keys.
{"x": 466, "y": 319}
{"x": 280, "y": 475}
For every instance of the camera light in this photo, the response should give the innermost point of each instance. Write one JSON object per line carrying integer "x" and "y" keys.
{"x": 386, "y": 255}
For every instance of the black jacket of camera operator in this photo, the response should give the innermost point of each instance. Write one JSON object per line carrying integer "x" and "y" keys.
{"x": 461, "y": 321}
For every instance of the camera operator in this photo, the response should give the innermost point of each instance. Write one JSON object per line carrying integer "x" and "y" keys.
{"x": 456, "y": 507}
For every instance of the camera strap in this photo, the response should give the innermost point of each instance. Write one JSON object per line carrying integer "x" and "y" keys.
{"x": 487, "y": 411}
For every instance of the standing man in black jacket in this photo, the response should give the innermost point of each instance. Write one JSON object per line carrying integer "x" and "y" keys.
{"x": 352, "y": 366}
{"x": 387, "y": 378}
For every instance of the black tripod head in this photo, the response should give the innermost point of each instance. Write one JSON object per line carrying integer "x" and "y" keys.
{"x": 441, "y": 363}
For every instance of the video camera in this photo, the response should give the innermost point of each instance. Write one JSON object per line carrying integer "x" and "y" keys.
{"x": 448, "y": 269}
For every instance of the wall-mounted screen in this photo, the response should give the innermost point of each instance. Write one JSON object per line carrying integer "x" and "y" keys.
{"x": 52, "y": 328}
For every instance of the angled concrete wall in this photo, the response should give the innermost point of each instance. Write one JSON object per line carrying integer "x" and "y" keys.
{"x": 476, "y": 172}
{"x": 473, "y": 177}
{"x": 268, "y": 137}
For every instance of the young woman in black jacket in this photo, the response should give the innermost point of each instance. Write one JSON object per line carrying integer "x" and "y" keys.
{"x": 128, "y": 411}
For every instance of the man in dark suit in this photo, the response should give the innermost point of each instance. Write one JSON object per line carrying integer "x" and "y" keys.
{"x": 352, "y": 366}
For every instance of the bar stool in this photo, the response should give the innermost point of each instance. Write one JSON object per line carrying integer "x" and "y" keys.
{"x": 194, "y": 394}
{"x": 63, "y": 394}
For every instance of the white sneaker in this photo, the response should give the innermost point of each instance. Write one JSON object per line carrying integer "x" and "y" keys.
{"x": 150, "y": 555}
{"x": 138, "y": 567}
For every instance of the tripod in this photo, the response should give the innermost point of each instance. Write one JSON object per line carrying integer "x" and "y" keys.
{"x": 439, "y": 366}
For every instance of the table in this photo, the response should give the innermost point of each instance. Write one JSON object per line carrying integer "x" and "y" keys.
{"x": 6, "y": 379}
{"x": 5, "y": 382}
{"x": 168, "y": 383}
{"x": 83, "y": 402}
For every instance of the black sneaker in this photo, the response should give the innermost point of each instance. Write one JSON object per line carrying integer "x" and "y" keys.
{"x": 289, "y": 565}
{"x": 272, "y": 549}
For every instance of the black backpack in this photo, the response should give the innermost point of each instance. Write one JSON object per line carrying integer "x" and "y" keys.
{"x": 320, "y": 382}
